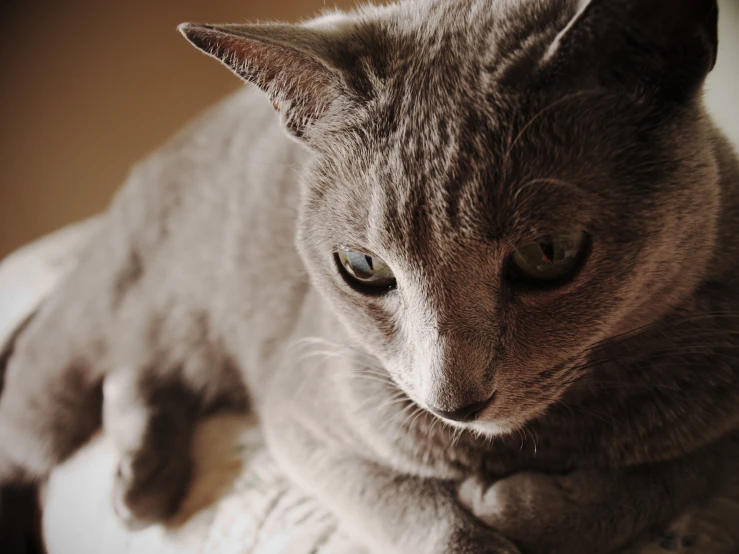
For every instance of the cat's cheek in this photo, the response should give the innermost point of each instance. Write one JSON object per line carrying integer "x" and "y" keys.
{"x": 401, "y": 371}
{"x": 378, "y": 332}
{"x": 517, "y": 402}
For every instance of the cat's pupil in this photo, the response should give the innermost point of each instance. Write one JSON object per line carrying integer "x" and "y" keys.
{"x": 366, "y": 269}
{"x": 361, "y": 265}
{"x": 549, "y": 258}
{"x": 547, "y": 250}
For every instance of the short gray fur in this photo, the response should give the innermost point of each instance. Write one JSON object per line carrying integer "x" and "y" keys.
{"x": 440, "y": 136}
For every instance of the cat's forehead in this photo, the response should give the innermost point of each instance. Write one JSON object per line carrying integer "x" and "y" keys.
{"x": 471, "y": 35}
{"x": 429, "y": 19}
{"x": 446, "y": 91}
{"x": 455, "y": 144}
{"x": 444, "y": 177}
{"x": 438, "y": 139}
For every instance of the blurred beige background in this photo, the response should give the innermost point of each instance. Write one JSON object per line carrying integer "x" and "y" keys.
{"x": 90, "y": 86}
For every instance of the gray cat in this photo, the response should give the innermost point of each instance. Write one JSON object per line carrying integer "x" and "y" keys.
{"x": 482, "y": 295}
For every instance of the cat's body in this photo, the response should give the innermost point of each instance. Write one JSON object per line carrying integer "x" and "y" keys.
{"x": 196, "y": 289}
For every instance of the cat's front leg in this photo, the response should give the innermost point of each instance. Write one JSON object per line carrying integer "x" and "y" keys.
{"x": 73, "y": 360}
{"x": 151, "y": 422}
{"x": 588, "y": 511}
{"x": 387, "y": 512}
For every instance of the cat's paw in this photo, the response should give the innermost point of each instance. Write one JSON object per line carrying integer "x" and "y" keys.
{"x": 153, "y": 440}
{"x": 149, "y": 487}
{"x": 530, "y": 509}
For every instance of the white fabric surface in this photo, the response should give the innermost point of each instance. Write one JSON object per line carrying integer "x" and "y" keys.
{"x": 239, "y": 503}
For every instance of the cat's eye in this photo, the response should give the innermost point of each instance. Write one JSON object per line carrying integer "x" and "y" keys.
{"x": 366, "y": 271}
{"x": 549, "y": 259}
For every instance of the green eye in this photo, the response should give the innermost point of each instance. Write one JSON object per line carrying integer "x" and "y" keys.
{"x": 366, "y": 270}
{"x": 550, "y": 258}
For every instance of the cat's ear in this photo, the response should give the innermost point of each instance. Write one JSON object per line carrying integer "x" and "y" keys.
{"x": 662, "y": 47}
{"x": 291, "y": 64}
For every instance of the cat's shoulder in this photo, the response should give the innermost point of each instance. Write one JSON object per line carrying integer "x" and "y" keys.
{"x": 242, "y": 123}
{"x": 232, "y": 145}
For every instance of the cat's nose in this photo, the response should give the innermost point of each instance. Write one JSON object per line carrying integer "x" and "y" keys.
{"x": 465, "y": 414}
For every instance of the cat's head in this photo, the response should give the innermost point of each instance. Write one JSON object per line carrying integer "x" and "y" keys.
{"x": 497, "y": 184}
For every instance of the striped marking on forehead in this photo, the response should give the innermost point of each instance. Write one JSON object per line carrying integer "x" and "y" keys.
{"x": 437, "y": 176}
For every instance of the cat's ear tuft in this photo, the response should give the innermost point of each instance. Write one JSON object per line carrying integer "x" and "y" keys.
{"x": 662, "y": 47}
{"x": 289, "y": 63}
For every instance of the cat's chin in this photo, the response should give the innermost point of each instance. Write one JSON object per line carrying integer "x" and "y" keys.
{"x": 487, "y": 429}
{"x": 491, "y": 428}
